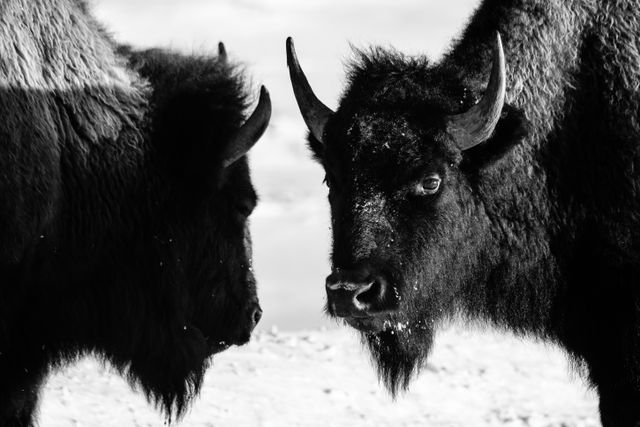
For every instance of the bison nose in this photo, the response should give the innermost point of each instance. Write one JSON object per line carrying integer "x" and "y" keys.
{"x": 350, "y": 297}
{"x": 255, "y": 314}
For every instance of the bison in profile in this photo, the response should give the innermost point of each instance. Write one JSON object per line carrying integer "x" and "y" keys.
{"x": 501, "y": 184}
{"x": 123, "y": 217}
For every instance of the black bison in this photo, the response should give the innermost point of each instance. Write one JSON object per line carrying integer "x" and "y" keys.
{"x": 501, "y": 184}
{"x": 125, "y": 193}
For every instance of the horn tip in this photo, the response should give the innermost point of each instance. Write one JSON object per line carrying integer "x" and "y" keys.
{"x": 291, "y": 52}
{"x": 264, "y": 92}
{"x": 222, "y": 51}
{"x": 265, "y": 99}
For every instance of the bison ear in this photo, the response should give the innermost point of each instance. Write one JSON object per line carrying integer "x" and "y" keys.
{"x": 509, "y": 132}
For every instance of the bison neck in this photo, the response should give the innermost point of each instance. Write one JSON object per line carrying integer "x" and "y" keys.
{"x": 541, "y": 199}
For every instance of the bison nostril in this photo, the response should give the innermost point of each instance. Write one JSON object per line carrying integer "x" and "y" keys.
{"x": 352, "y": 295}
{"x": 370, "y": 294}
{"x": 256, "y": 315}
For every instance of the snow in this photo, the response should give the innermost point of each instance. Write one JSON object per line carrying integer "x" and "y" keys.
{"x": 313, "y": 373}
{"x": 324, "y": 378}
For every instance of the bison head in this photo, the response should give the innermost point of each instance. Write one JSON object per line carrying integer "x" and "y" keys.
{"x": 185, "y": 276}
{"x": 404, "y": 155}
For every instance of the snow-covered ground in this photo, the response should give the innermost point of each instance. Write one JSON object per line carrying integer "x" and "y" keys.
{"x": 323, "y": 378}
{"x": 305, "y": 375}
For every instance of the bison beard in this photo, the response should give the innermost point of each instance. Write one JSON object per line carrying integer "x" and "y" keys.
{"x": 399, "y": 353}
{"x": 400, "y": 342}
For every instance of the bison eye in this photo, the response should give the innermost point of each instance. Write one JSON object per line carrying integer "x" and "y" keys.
{"x": 427, "y": 186}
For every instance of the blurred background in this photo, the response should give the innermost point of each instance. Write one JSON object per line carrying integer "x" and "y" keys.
{"x": 290, "y": 227}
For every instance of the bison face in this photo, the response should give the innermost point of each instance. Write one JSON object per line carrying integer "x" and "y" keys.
{"x": 218, "y": 263}
{"x": 410, "y": 232}
{"x": 206, "y": 243}
{"x": 190, "y": 280}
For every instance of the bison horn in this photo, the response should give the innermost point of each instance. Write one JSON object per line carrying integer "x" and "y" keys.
{"x": 251, "y": 131}
{"x": 478, "y": 123}
{"x": 314, "y": 112}
{"x": 222, "y": 53}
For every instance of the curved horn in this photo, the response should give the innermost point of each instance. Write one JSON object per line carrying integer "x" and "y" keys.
{"x": 222, "y": 52}
{"x": 478, "y": 123}
{"x": 250, "y": 131}
{"x": 314, "y": 112}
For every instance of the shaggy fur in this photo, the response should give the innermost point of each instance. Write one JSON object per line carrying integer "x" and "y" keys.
{"x": 121, "y": 234}
{"x": 537, "y": 229}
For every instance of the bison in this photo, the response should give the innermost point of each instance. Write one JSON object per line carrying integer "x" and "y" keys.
{"x": 125, "y": 192}
{"x": 499, "y": 185}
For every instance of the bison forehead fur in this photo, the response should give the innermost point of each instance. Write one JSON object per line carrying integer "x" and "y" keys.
{"x": 535, "y": 229}
{"x": 123, "y": 232}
